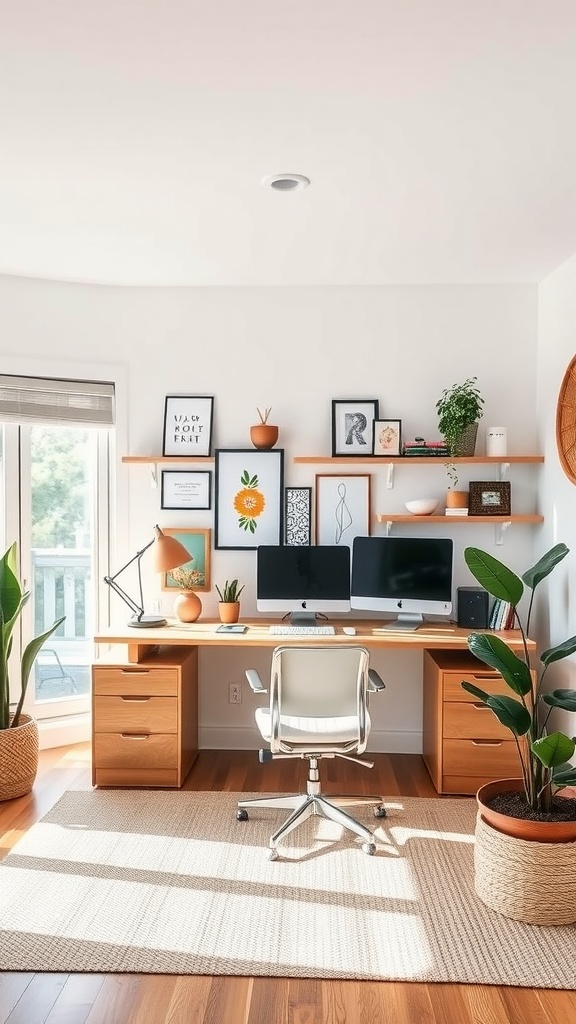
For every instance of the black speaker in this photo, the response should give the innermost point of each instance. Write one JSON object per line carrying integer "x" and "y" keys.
{"x": 473, "y": 608}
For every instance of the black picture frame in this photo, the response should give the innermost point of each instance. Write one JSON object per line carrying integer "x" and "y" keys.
{"x": 188, "y": 422}
{"x": 352, "y": 426}
{"x": 386, "y": 438}
{"x": 242, "y": 521}
{"x": 186, "y": 489}
{"x": 298, "y": 516}
{"x": 489, "y": 498}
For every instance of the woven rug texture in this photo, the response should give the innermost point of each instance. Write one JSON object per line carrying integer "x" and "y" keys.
{"x": 170, "y": 882}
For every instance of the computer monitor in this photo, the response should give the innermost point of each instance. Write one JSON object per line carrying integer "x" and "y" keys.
{"x": 303, "y": 581}
{"x": 411, "y": 576}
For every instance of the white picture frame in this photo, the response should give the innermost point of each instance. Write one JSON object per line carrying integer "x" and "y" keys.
{"x": 342, "y": 507}
{"x": 243, "y": 520}
{"x": 188, "y": 425}
{"x": 180, "y": 488}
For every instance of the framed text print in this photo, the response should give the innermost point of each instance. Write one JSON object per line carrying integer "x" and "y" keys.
{"x": 298, "y": 515}
{"x": 195, "y": 574}
{"x": 342, "y": 508}
{"x": 352, "y": 430}
{"x": 248, "y": 505}
{"x": 188, "y": 425}
{"x": 182, "y": 489}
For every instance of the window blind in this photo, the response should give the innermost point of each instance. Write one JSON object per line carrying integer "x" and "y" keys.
{"x": 47, "y": 400}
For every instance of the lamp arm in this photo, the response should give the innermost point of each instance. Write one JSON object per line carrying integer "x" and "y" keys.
{"x": 125, "y": 597}
{"x": 111, "y": 581}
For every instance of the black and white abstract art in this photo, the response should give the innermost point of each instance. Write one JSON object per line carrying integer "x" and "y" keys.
{"x": 298, "y": 515}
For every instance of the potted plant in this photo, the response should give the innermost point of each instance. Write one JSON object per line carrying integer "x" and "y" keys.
{"x": 459, "y": 409}
{"x": 263, "y": 434}
{"x": 229, "y": 606}
{"x": 18, "y": 732}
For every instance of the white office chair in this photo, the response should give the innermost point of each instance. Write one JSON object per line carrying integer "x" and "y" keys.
{"x": 318, "y": 708}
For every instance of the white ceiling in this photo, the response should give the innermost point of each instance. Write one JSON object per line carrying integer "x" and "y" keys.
{"x": 439, "y": 136}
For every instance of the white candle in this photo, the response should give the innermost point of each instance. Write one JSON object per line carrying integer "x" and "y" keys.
{"x": 496, "y": 441}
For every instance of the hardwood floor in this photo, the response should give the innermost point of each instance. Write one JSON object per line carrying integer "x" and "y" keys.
{"x": 44, "y": 998}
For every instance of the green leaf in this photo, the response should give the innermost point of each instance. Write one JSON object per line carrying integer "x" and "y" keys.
{"x": 245, "y": 478}
{"x": 532, "y": 577}
{"x": 565, "y": 699}
{"x": 475, "y": 691}
{"x": 564, "y": 775}
{"x": 511, "y": 713}
{"x": 495, "y": 653}
{"x": 252, "y": 526}
{"x": 494, "y": 576}
{"x": 554, "y": 750}
{"x": 562, "y": 650}
{"x": 253, "y": 482}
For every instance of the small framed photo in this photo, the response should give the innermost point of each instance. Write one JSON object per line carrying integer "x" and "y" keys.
{"x": 195, "y": 574}
{"x": 183, "y": 489}
{"x": 188, "y": 425}
{"x": 248, "y": 503}
{"x": 489, "y": 498}
{"x": 298, "y": 515}
{"x": 352, "y": 429}
{"x": 342, "y": 508}
{"x": 387, "y": 437}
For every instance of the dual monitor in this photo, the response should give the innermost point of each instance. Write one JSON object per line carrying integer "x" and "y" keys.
{"x": 407, "y": 576}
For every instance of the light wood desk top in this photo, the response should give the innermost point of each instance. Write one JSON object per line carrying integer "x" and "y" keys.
{"x": 370, "y": 633}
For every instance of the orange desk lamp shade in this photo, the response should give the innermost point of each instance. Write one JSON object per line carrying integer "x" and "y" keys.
{"x": 167, "y": 554}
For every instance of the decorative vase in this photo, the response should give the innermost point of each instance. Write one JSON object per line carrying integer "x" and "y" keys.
{"x": 466, "y": 443}
{"x": 187, "y": 606}
{"x": 263, "y": 435}
{"x": 229, "y": 611}
{"x": 18, "y": 758}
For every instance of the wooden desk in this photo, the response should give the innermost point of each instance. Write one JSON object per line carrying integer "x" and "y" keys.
{"x": 144, "y": 709}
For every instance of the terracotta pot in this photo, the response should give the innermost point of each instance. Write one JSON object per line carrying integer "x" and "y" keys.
{"x": 18, "y": 758}
{"x": 263, "y": 435}
{"x": 456, "y": 499}
{"x": 187, "y": 606}
{"x": 229, "y": 611}
{"x": 521, "y": 828}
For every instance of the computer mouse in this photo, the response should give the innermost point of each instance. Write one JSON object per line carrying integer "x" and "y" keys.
{"x": 349, "y": 630}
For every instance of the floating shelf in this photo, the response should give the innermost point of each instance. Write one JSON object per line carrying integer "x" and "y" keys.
{"x": 167, "y": 458}
{"x": 499, "y": 520}
{"x": 424, "y": 460}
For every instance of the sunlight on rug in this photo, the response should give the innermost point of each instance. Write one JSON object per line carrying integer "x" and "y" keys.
{"x": 170, "y": 882}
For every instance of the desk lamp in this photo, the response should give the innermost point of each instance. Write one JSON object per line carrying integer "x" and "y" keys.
{"x": 168, "y": 553}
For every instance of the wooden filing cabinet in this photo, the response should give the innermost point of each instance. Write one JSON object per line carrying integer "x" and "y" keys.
{"x": 464, "y": 744}
{"x": 145, "y": 719}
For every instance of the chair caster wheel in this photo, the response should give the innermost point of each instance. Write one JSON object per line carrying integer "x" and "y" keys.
{"x": 242, "y": 814}
{"x": 273, "y": 854}
{"x": 369, "y": 848}
{"x": 380, "y": 812}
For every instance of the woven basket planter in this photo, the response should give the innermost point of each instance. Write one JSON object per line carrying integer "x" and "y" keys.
{"x": 525, "y": 880}
{"x": 466, "y": 443}
{"x": 18, "y": 758}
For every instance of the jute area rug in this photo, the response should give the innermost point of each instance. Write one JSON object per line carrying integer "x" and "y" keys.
{"x": 170, "y": 882}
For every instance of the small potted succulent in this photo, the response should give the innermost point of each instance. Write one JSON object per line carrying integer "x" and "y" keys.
{"x": 263, "y": 434}
{"x": 229, "y": 605}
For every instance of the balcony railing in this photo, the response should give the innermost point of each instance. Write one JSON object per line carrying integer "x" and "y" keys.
{"x": 63, "y": 586}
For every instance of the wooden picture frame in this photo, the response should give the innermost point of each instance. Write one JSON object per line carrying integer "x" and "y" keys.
{"x": 489, "y": 498}
{"x": 352, "y": 421}
{"x": 387, "y": 438}
{"x": 298, "y": 516}
{"x": 181, "y": 488}
{"x": 248, "y": 497}
{"x": 188, "y": 425}
{"x": 198, "y": 543}
{"x": 343, "y": 507}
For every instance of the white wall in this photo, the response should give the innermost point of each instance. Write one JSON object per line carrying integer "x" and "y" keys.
{"x": 295, "y": 349}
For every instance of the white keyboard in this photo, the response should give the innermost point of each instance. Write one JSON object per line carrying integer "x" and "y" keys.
{"x": 301, "y": 630}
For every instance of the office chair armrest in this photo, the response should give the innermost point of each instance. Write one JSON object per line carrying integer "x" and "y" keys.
{"x": 375, "y": 682}
{"x": 255, "y": 681}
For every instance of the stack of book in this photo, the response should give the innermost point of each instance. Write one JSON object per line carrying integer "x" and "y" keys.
{"x": 455, "y": 511}
{"x": 501, "y": 616}
{"x": 421, "y": 447}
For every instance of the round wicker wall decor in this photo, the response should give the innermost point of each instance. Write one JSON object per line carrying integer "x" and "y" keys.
{"x": 566, "y": 422}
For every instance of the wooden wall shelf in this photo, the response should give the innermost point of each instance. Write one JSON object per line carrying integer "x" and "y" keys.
{"x": 425, "y": 460}
{"x": 383, "y": 517}
{"x": 174, "y": 459}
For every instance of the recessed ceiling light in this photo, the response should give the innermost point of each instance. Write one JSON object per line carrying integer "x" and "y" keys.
{"x": 286, "y": 182}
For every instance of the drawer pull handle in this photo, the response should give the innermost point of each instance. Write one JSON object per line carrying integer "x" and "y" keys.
{"x": 481, "y": 707}
{"x": 136, "y": 700}
{"x": 135, "y": 671}
{"x": 134, "y": 735}
{"x": 487, "y": 743}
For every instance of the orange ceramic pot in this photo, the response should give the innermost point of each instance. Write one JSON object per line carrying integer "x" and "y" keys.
{"x": 187, "y": 606}
{"x": 521, "y": 828}
{"x": 263, "y": 435}
{"x": 229, "y": 611}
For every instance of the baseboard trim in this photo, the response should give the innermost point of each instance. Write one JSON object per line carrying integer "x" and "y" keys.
{"x": 215, "y": 737}
{"x": 62, "y": 732}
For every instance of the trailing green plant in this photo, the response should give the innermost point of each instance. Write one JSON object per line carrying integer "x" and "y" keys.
{"x": 13, "y": 597}
{"x": 545, "y": 757}
{"x": 230, "y": 592}
{"x": 458, "y": 407}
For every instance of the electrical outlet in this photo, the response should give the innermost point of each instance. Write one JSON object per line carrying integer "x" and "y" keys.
{"x": 234, "y": 693}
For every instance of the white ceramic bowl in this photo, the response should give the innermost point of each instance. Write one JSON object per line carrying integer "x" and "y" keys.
{"x": 422, "y": 506}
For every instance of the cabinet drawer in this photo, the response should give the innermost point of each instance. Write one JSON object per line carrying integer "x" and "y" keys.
{"x": 491, "y": 758}
{"x": 135, "y": 714}
{"x": 135, "y": 680}
{"x": 117, "y": 750}
{"x": 491, "y": 682}
{"x": 472, "y": 721}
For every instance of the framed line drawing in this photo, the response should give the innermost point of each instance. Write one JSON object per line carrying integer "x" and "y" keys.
{"x": 181, "y": 488}
{"x": 195, "y": 574}
{"x": 248, "y": 497}
{"x": 352, "y": 421}
{"x": 188, "y": 425}
{"x": 387, "y": 436}
{"x": 298, "y": 515}
{"x": 489, "y": 498}
{"x": 342, "y": 508}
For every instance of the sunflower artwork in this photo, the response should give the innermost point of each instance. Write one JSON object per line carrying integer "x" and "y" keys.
{"x": 249, "y": 502}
